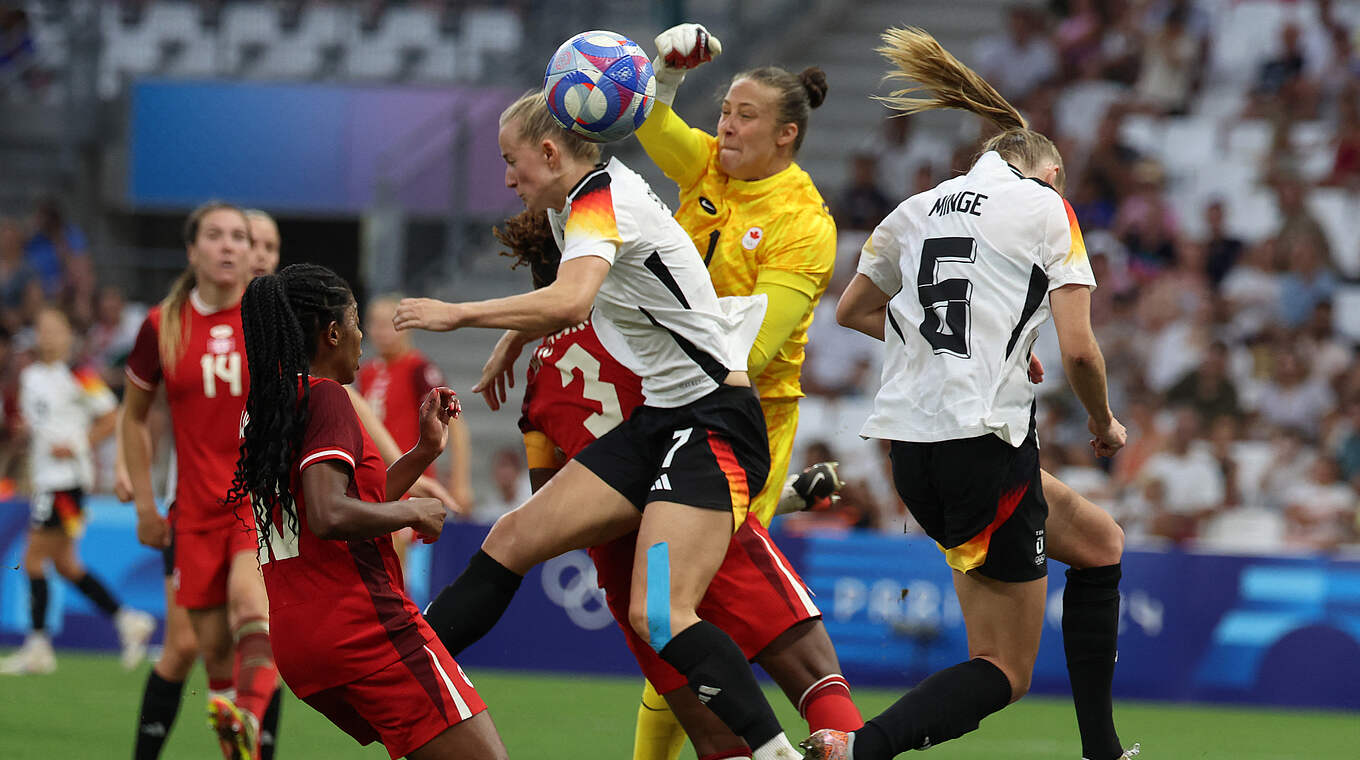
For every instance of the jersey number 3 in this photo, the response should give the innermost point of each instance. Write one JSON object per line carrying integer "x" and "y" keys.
{"x": 595, "y": 389}
{"x": 946, "y": 302}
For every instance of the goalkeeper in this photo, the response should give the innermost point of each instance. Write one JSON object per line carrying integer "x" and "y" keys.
{"x": 762, "y": 227}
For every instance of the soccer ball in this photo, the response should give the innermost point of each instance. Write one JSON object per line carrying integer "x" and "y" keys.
{"x": 600, "y": 86}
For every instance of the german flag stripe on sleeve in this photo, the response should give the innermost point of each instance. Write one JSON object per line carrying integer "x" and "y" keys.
{"x": 592, "y": 212}
{"x": 1078, "y": 251}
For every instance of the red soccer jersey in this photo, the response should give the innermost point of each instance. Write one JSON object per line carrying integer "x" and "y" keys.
{"x": 337, "y": 609}
{"x": 207, "y": 393}
{"x": 395, "y": 390}
{"x": 576, "y": 391}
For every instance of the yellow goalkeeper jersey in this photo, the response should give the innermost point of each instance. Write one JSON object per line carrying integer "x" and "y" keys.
{"x": 773, "y": 231}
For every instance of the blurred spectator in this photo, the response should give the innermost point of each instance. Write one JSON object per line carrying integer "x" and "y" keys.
{"x": 1191, "y": 478}
{"x": 1308, "y": 282}
{"x": 1109, "y": 166}
{"x": 1019, "y": 59}
{"x": 1348, "y": 451}
{"x": 1077, "y": 38}
{"x": 1282, "y": 85}
{"x": 839, "y": 362}
{"x": 900, "y": 151}
{"x": 1320, "y": 512}
{"x": 55, "y": 246}
{"x": 1346, "y": 161}
{"x": 862, "y": 205}
{"x": 15, "y": 273}
{"x": 1207, "y": 389}
{"x": 109, "y": 340}
{"x": 1297, "y": 224}
{"x": 1330, "y": 355}
{"x": 1252, "y": 291}
{"x": 511, "y": 482}
{"x": 1223, "y": 249}
{"x": 1170, "y": 65}
{"x": 19, "y": 69}
{"x": 1146, "y": 223}
{"x": 1291, "y": 399}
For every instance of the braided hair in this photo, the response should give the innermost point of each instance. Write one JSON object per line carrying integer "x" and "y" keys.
{"x": 283, "y": 316}
{"x": 530, "y": 240}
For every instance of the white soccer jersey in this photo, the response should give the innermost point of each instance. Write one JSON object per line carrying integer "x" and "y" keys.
{"x": 58, "y": 405}
{"x": 656, "y": 312}
{"x": 969, "y": 264}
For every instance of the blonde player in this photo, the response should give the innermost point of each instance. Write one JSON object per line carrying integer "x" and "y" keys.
{"x": 66, "y": 413}
{"x": 956, "y": 282}
{"x": 762, "y": 228}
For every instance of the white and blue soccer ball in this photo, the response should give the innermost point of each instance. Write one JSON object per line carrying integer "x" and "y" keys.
{"x": 600, "y": 85}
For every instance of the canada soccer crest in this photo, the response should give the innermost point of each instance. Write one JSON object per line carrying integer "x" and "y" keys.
{"x": 752, "y": 238}
{"x": 220, "y": 340}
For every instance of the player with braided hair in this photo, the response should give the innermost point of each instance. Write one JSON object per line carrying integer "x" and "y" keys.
{"x": 956, "y": 282}
{"x": 190, "y": 342}
{"x": 326, "y": 507}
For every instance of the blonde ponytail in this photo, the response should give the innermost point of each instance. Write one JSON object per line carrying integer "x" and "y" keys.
{"x": 920, "y": 58}
{"x": 172, "y": 327}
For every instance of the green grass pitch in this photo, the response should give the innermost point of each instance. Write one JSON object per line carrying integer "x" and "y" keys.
{"x": 86, "y": 710}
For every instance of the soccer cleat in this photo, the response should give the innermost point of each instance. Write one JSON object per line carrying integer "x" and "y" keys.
{"x": 34, "y": 657}
{"x": 826, "y": 744}
{"x": 134, "y": 631}
{"x": 815, "y": 488}
{"x": 238, "y": 733}
{"x": 1131, "y": 752}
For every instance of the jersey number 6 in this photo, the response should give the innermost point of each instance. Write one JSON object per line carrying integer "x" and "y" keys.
{"x": 950, "y": 297}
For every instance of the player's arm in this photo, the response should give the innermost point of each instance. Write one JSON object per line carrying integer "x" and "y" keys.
{"x": 864, "y": 307}
{"x": 391, "y": 452}
{"x": 438, "y": 407}
{"x": 1084, "y": 364}
{"x": 459, "y": 485}
{"x": 680, "y": 151}
{"x": 564, "y": 303}
{"x": 334, "y": 515}
{"x": 790, "y": 276}
{"x": 152, "y": 529}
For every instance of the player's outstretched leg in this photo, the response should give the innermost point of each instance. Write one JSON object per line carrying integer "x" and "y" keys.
{"x": 35, "y": 655}
{"x": 804, "y": 664}
{"x": 1085, "y": 537}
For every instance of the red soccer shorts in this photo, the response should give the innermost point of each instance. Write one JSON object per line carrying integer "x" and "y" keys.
{"x": 202, "y": 560}
{"x": 755, "y": 596}
{"x": 406, "y": 704}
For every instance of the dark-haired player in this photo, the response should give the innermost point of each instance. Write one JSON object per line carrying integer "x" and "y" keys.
{"x": 348, "y": 640}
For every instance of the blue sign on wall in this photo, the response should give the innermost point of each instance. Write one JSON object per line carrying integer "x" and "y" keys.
{"x": 1264, "y": 630}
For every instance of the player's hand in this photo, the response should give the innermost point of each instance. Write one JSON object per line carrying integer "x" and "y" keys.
{"x": 153, "y": 530}
{"x": 427, "y": 519}
{"x": 62, "y": 451}
{"x": 427, "y": 487}
{"x": 499, "y": 370}
{"x": 438, "y": 407}
{"x": 816, "y": 488}
{"x": 1036, "y": 370}
{"x": 1109, "y": 438}
{"x": 685, "y": 46}
{"x": 425, "y": 314}
{"x": 679, "y": 49}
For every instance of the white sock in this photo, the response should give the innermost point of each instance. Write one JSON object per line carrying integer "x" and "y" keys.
{"x": 228, "y": 693}
{"x": 777, "y": 748}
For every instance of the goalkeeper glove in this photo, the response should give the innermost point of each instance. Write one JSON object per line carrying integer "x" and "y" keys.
{"x": 679, "y": 49}
{"x": 816, "y": 488}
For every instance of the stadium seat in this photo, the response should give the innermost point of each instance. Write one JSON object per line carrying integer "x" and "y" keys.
{"x": 1190, "y": 143}
{"x": 394, "y": 51}
{"x": 1081, "y": 107}
{"x": 1144, "y": 133}
{"x": 248, "y": 31}
{"x": 317, "y": 46}
{"x": 1249, "y": 140}
{"x": 1253, "y": 214}
{"x": 1346, "y": 311}
{"x": 1337, "y": 210}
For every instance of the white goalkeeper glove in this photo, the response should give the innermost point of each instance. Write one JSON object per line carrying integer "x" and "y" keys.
{"x": 679, "y": 49}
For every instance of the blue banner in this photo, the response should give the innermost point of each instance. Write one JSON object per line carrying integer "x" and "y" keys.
{"x": 1261, "y": 630}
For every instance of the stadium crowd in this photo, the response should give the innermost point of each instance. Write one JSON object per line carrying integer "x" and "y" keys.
{"x": 1230, "y": 353}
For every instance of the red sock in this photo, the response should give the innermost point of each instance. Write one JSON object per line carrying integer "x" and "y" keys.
{"x": 256, "y": 676}
{"x": 728, "y": 754}
{"x": 827, "y": 704}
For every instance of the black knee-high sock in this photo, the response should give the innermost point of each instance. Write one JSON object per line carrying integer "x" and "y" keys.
{"x": 1090, "y": 626}
{"x": 945, "y": 706}
{"x": 37, "y": 603}
{"x": 95, "y": 592}
{"x": 160, "y": 705}
{"x": 468, "y": 608}
{"x": 719, "y": 673}
{"x": 269, "y": 726}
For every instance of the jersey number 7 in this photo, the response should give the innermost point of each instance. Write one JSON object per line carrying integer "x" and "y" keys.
{"x": 951, "y": 297}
